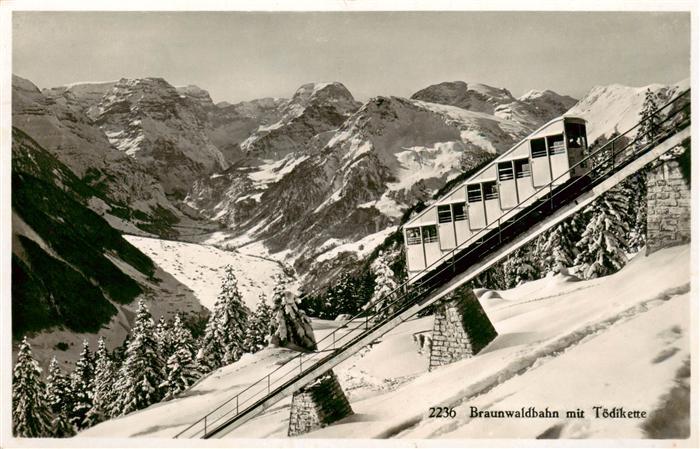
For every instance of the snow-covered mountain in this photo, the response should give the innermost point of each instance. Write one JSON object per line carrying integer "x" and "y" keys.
{"x": 314, "y": 109}
{"x": 74, "y": 275}
{"x": 56, "y": 119}
{"x": 352, "y": 181}
{"x": 532, "y": 109}
{"x": 616, "y": 108}
{"x": 149, "y": 120}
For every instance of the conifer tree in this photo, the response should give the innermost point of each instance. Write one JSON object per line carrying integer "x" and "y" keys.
{"x": 31, "y": 415}
{"x": 162, "y": 336}
{"x": 650, "y": 121}
{"x": 558, "y": 247}
{"x": 224, "y": 337}
{"x": 141, "y": 374}
{"x": 292, "y": 326}
{"x": 58, "y": 397}
{"x": 82, "y": 388}
{"x": 182, "y": 368}
{"x": 260, "y": 327}
{"x": 636, "y": 185}
{"x": 601, "y": 248}
{"x": 105, "y": 379}
{"x": 385, "y": 287}
{"x": 519, "y": 267}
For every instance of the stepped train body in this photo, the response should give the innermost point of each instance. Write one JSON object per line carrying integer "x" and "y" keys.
{"x": 499, "y": 191}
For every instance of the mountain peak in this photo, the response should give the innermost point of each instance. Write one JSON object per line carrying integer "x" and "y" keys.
{"x": 475, "y": 97}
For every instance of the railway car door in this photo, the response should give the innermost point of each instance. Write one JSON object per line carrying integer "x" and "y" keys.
{"x": 491, "y": 203}
{"x": 431, "y": 244}
{"x": 541, "y": 172}
{"x": 506, "y": 185}
{"x": 414, "y": 249}
{"x": 576, "y": 146}
{"x": 459, "y": 214}
{"x": 558, "y": 158}
{"x": 475, "y": 203}
{"x": 446, "y": 227}
{"x": 523, "y": 181}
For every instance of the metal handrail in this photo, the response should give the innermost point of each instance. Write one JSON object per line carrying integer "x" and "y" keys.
{"x": 434, "y": 270}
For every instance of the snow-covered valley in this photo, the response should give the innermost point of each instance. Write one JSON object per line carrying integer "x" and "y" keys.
{"x": 201, "y": 268}
{"x": 616, "y": 341}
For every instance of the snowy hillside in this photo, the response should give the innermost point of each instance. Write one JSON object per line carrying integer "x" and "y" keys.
{"x": 616, "y": 107}
{"x": 621, "y": 341}
{"x": 201, "y": 268}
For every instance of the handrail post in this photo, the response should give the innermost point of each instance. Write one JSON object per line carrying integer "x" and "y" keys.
{"x": 498, "y": 223}
{"x": 333, "y": 340}
{"x": 300, "y": 370}
{"x": 205, "y": 425}
{"x": 237, "y": 404}
{"x": 268, "y": 384}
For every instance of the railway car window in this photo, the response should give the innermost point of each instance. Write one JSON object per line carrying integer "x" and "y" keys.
{"x": 490, "y": 191}
{"x": 575, "y": 135}
{"x": 505, "y": 171}
{"x": 474, "y": 193}
{"x": 413, "y": 236}
{"x": 538, "y": 148}
{"x": 430, "y": 234}
{"x": 444, "y": 214}
{"x": 522, "y": 168}
{"x": 459, "y": 212}
{"x": 556, "y": 144}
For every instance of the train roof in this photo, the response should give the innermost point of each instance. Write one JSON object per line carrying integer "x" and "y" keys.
{"x": 496, "y": 159}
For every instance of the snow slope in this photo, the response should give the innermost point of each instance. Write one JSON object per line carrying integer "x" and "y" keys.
{"x": 201, "y": 267}
{"x": 613, "y": 341}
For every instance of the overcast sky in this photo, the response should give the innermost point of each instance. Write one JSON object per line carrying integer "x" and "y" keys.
{"x": 240, "y": 56}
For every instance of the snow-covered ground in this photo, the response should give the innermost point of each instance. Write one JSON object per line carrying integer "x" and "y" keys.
{"x": 201, "y": 268}
{"x": 564, "y": 344}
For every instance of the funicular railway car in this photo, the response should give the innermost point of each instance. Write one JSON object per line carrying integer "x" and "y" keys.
{"x": 508, "y": 185}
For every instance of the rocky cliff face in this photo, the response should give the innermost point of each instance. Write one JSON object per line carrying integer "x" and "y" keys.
{"x": 313, "y": 110}
{"x": 149, "y": 120}
{"x": 56, "y": 120}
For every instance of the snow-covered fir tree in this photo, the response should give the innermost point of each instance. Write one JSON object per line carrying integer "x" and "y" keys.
{"x": 224, "y": 337}
{"x": 162, "y": 336}
{"x": 385, "y": 287}
{"x": 650, "y": 121}
{"x": 142, "y": 372}
{"x": 181, "y": 367}
{"x": 520, "y": 267}
{"x": 602, "y": 245}
{"x": 557, "y": 249}
{"x": 31, "y": 415}
{"x": 105, "y": 378}
{"x": 260, "y": 327}
{"x": 82, "y": 384}
{"x": 292, "y": 326}
{"x": 636, "y": 185}
{"x": 58, "y": 397}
